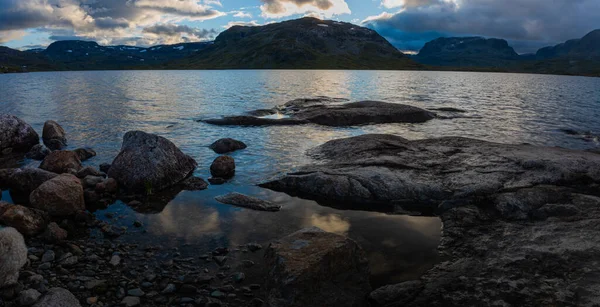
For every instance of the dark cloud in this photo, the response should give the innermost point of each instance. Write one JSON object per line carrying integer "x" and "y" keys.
{"x": 528, "y": 25}
{"x": 173, "y": 30}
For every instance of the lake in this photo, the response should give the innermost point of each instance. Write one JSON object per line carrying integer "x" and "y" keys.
{"x": 97, "y": 108}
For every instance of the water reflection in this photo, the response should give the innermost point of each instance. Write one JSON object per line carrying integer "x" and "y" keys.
{"x": 98, "y": 108}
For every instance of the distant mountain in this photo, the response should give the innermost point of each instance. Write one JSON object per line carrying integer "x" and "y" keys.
{"x": 18, "y": 61}
{"x": 87, "y": 55}
{"x": 586, "y": 47}
{"x": 306, "y": 43}
{"x": 467, "y": 52}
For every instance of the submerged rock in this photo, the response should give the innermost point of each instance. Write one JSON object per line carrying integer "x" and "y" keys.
{"x": 85, "y": 153}
{"x": 227, "y": 145}
{"x": 194, "y": 184}
{"x": 148, "y": 162}
{"x": 61, "y": 161}
{"x": 316, "y": 268}
{"x": 348, "y": 114}
{"x": 241, "y": 200}
{"x": 58, "y": 297}
{"x": 37, "y": 152}
{"x": 54, "y": 136}
{"x": 60, "y": 196}
{"x": 223, "y": 167}
{"x": 29, "y": 222}
{"x": 13, "y": 255}
{"x": 16, "y": 135}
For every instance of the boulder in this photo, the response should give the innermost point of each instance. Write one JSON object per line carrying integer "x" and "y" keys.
{"x": 54, "y": 234}
{"x": 28, "y": 297}
{"x": 58, "y": 297}
{"x": 54, "y": 136}
{"x": 60, "y": 196}
{"x": 223, "y": 167}
{"x": 24, "y": 180}
{"x": 13, "y": 255}
{"x": 91, "y": 181}
{"x": 61, "y": 162}
{"x": 193, "y": 184}
{"x": 89, "y": 171}
{"x": 104, "y": 167}
{"x": 16, "y": 135}
{"x": 37, "y": 152}
{"x": 29, "y": 222}
{"x": 241, "y": 200}
{"x": 227, "y": 145}
{"x": 253, "y": 121}
{"x": 85, "y": 153}
{"x": 316, "y": 268}
{"x": 148, "y": 163}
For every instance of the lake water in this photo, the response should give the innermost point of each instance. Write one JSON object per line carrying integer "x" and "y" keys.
{"x": 97, "y": 108}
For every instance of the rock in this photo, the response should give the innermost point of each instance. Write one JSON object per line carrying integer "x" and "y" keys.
{"x": 170, "y": 288}
{"x": 84, "y": 153}
{"x": 48, "y": 256}
{"x": 348, "y": 114}
{"x": 54, "y": 234}
{"x": 240, "y": 200}
{"x": 28, "y": 297}
{"x": 136, "y": 292}
{"x": 58, "y": 297}
{"x": 89, "y": 171}
{"x": 29, "y": 222}
{"x": 316, "y": 268}
{"x": 13, "y": 254}
{"x": 216, "y": 181}
{"x": 149, "y": 163}
{"x": 22, "y": 181}
{"x": 60, "y": 196}
{"x": 227, "y": 145}
{"x": 54, "y": 136}
{"x": 91, "y": 181}
{"x": 194, "y": 184}
{"x": 130, "y": 301}
{"x": 115, "y": 260}
{"x": 223, "y": 167}
{"x": 62, "y": 161}
{"x": 16, "y": 135}
{"x": 104, "y": 167}
{"x": 396, "y": 295}
{"x": 37, "y": 152}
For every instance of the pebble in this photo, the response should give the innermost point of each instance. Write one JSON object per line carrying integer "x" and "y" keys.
{"x": 136, "y": 292}
{"x": 131, "y": 301}
{"x": 115, "y": 260}
{"x": 48, "y": 256}
{"x": 217, "y": 294}
{"x": 28, "y": 297}
{"x": 92, "y": 300}
{"x": 170, "y": 288}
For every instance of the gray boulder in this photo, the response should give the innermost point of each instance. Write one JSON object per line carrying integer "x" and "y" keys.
{"x": 316, "y": 268}
{"x": 16, "y": 135}
{"x": 54, "y": 136}
{"x": 13, "y": 255}
{"x": 148, "y": 162}
{"x": 60, "y": 196}
{"x": 223, "y": 167}
{"x": 37, "y": 152}
{"x": 22, "y": 181}
{"x": 85, "y": 153}
{"x": 58, "y": 297}
{"x": 227, "y": 145}
{"x": 61, "y": 161}
{"x": 241, "y": 200}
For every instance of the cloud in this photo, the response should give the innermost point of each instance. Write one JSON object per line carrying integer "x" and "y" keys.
{"x": 526, "y": 24}
{"x": 323, "y": 8}
{"x": 252, "y": 23}
{"x": 242, "y": 14}
{"x": 173, "y": 33}
{"x": 107, "y": 21}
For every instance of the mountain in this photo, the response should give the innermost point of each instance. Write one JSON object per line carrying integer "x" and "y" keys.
{"x": 306, "y": 43}
{"x": 586, "y": 47}
{"x": 88, "y": 55}
{"x": 12, "y": 60}
{"x": 467, "y": 52}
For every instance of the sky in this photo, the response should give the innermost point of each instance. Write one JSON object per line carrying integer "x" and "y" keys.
{"x": 407, "y": 24}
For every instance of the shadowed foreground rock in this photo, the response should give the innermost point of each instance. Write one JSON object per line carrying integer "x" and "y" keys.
{"x": 241, "y": 200}
{"x": 328, "y": 112}
{"x": 28, "y": 222}
{"x": 22, "y": 181}
{"x": 59, "y": 196}
{"x": 148, "y": 162}
{"x": 58, "y": 297}
{"x": 13, "y": 255}
{"x": 61, "y": 161}
{"x": 520, "y": 221}
{"x": 16, "y": 135}
{"x": 316, "y": 268}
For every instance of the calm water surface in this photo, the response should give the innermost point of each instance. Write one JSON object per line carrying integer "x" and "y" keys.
{"x": 97, "y": 108}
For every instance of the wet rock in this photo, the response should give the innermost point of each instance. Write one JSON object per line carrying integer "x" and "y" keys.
{"x": 241, "y": 200}
{"x": 37, "y": 152}
{"x": 193, "y": 184}
{"x": 22, "y": 181}
{"x": 448, "y": 109}
{"x": 348, "y": 114}
{"x": 84, "y": 153}
{"x": 89, "y": 171}
{"x": 227, "y": 145}
{"x": 54, "y": 234}
{"x": 396, "y": 295}
{"x": 91, "y": 181}
{"x": 60, "y": 196}
{"x": 13, "y": 256}
{"x": 16, "y": 135}
{"x": 148, "y": 163}
{"x": 58, "y": 297}
{"x": 28, "y": 297}
{"x": 223, "y": 167}
{"x": 104, "y": 167}
{"x": 54, "y": 136}
{"x": 61, "y": 161}
{"x": 29, "y": 222}
{"x": 216, "y": 181}
{"x": 316, "y": 268}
